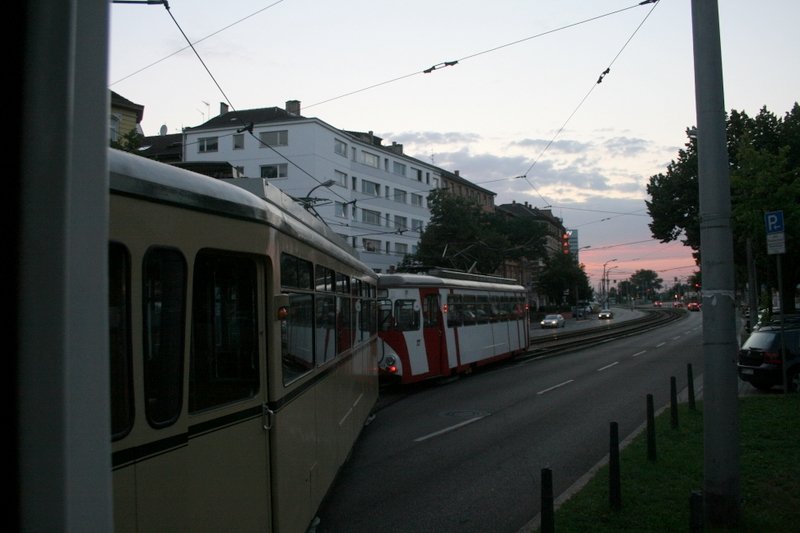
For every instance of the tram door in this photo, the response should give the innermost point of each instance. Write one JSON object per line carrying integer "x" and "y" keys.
{"x": 433, "y": 332}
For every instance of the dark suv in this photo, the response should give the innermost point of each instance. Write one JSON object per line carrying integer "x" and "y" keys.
{"x": 760, "y": 358}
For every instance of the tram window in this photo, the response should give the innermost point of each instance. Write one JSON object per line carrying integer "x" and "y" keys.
{"x": 224, "y": 355}
{"x": 342, "y": 283}
{"x": 119, "y": 336}
{"x": 325, "y": 279}
{"x": 325, "y": 329}
{"x": 406, "y": 315}
{"x": 297, "y": 349}
{"x": 367, "y": 318}
{"x": 385, "y": 317}
{"x": 163, "y": 305}
{"x": 344, "y": 324}
{"x": 296, "y": 272}
{"x": 431, "y": 311}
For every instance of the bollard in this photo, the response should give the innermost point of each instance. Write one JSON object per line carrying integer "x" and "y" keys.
{"x": 651, "y": 430}
{"x": 690, "y": 376}
{"x": 547, "y": 512}
{"x": 673, "y": 402}
{"x": 614, "y": 490}
{"x": 696, "y": 511}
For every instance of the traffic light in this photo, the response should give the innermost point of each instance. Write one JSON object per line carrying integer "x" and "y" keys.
{"x": 565, "y": 242}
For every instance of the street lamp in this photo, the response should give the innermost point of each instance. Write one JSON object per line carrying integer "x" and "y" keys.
{"x": 604, "y": 280}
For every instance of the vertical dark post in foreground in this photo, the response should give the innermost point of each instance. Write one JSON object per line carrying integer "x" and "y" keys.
{"x": 721, "y": 464}
{"x": 690, "y": 377}
{"x": 547, "y": 512}
{"x": 673, "y": 402}
{"x": 696, "y": 512}
{"x": 651, "y": 430}
{"x": 614, "y": 488}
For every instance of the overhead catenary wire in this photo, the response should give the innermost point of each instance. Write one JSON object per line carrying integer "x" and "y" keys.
{"x": 452, "y": 63}
{"x": 248, "y": 127}
{"x": 600, "y": 79}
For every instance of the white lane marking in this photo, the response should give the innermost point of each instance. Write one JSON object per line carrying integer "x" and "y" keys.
{"x": 556, "y": 386}
{"x": 637, "y": 354}
{"x": 676, "y": 338}
{"x": 448, "y": 429}
{"x": 608, "y": 366}
{"x": 660, "y": 345}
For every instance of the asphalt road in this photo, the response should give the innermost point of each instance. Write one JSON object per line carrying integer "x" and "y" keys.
{"x": 467, "y": 455}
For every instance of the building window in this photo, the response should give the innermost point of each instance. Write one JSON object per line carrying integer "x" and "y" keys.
{"x": 400, "y": 196}
{"x": 341, "y": 209}
{"x": 340, "y": 177}
{"x": 371, "y": 217}
{"x": 400, "y": 223}
{"x": 435, "y": 183}
{"x": 371, "y": 245}
{"x": 371, "y": 160}
{"x": 416, "y": 200}
{"x": 340, "y": 147}
{"x": 416, "y": 225}
{"x": 239, "y": 171}
{"x": 238, "y": 141}
{"x": 400, "y": 248}
{"x": 207, "y": 144}
{"x": 275, "y": 171}
{"x": 114, "y": 127}
{"x": 274, "y": 138}
{"x": 371, "y": 188}
{"x": 416, "y": 174}
{"x": 399, "y": 168}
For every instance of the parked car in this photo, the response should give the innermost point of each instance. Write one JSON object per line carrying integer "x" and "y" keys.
{"x": 553, "y": 321}
{"x": 760, "y": 358}
{"x": 605, "y": 313}
{"x": 657, "y": 303}
{"x": 693, "y": 306}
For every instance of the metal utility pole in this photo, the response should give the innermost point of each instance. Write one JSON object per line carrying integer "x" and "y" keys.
{"x": 721, "y": 490}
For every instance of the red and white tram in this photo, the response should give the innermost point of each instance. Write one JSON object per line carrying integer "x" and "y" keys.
{"x": 447, "y": 322}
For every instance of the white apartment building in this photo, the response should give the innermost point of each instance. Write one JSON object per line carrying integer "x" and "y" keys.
{"x": 372, "y": 195}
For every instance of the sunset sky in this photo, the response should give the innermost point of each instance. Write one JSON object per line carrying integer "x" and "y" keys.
{"x": 523, "y": 98}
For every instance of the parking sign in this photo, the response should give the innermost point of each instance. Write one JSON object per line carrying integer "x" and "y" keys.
{"x": 773, "y": 220}
{"x": 776, "y": 242}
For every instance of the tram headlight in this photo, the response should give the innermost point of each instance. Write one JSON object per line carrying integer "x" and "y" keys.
{"x": 390, "y": 364}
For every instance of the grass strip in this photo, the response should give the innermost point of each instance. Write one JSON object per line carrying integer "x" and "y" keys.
{"x": 655, "y": 495}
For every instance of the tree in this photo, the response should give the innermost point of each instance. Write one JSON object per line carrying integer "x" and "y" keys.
{"x": 462, "y": 235}
{"x": 563, "y": 275}
{"x": 764, "y": 157}
{"x": 647, "y": 282}
{"x": 130, "y": 142}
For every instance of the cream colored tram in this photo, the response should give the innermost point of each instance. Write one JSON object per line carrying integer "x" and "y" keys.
{"x": 243, "y": 353}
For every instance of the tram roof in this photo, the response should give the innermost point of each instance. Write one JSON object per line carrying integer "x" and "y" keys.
{"x": 386, "y": 281}
{"x": 138, "y": 176}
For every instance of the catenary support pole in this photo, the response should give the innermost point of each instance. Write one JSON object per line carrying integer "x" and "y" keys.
{"x": 721, "y": 470}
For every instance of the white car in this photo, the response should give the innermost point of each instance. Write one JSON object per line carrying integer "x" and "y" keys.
{"x": 605, "y": 313}
{"x": 553, "y": 321}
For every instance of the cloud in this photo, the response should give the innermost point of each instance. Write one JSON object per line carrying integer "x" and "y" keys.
{"x": 565, "y": 146}
{"x": 627, "y": 147}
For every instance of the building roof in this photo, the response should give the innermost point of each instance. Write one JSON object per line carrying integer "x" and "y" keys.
{"x": 243, "y": 117}
{"x": 121, "y": 102}
{"x": 454, "y": 176}
{"x": 526, "y": 210}
{"x": 164, "y": 148}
